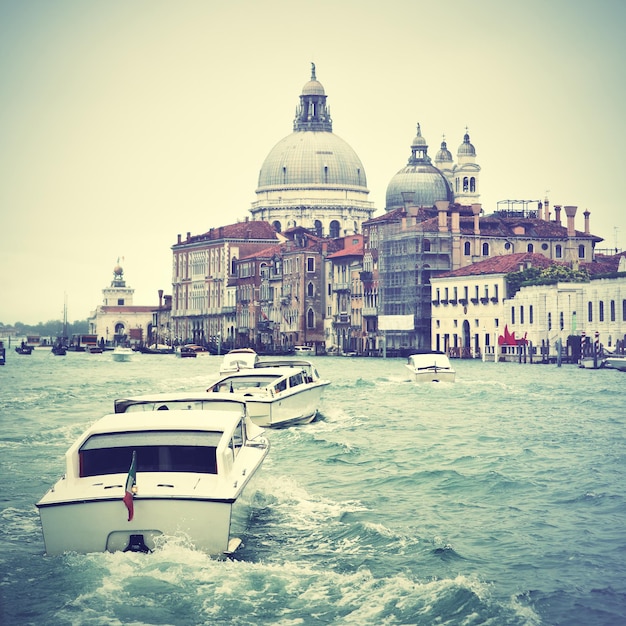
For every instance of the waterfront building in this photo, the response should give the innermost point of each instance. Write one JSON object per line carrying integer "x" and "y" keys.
{"x": 204, "y": 291}
{"x": 312, "y": 178}
{"x": 118, "y": 320}
{"x": 475, "y": 307}
{"x": 415, "y": 244}
{"x": 344, "y": 314}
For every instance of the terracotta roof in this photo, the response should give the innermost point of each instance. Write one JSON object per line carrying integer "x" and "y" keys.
{"x": 249, "y": 230}
{"x": 350, "y": 249}
{"x": 503, "y": 264}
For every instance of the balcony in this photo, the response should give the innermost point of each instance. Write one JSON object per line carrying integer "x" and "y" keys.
{"x": 366, "y": 276}
{"x": 341, "y": 286}
{"x": 342, "y": 318}
{"x": 370, "y": 311}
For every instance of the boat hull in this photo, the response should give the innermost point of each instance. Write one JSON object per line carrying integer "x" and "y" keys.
{"x": 292, "y": 409}
{"x": 101, "y": 524}
{"x": 616, "y": 363}
{"x": 434, "y": 376}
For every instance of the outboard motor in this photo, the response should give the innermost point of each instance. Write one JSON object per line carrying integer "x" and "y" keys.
{"x": 136, "y": 544}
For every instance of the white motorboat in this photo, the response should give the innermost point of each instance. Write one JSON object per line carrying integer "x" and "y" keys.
{"x": 131, "y": 482}
{"x": 276, "y": 392}
{"x": 238, "y": 359}
{"x": 616, "y": 362}
{"x": 121, "y": 353}
{"x": 430, "y": 367}
{"x": 304, "y": 351}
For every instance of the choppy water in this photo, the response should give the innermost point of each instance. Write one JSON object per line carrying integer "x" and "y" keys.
{"x": 495, "y": 500}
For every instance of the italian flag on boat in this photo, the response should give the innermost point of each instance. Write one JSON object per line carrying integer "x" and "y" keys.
{"x": 130, "y": 483}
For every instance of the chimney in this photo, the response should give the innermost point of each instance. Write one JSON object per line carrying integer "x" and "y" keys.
{"x": 442, "y": 213}
{"x": 586, "y": 214}
{"x": 456, "y": 219}
{"x": 557, "y": 214}
{"x": 476, "y": 209}
{"x": 160, "y": 298}
{"x": 570, "y": 212}
{"x": 188, "y": 235}
{"x": 546, "y": 208}
{"x": 179, "y": 238}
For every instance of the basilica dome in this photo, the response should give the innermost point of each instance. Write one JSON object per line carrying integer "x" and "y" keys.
{"x": 312, "y": 177}
{"x": 419, "y": 180}
{"x": 311, "y": 158}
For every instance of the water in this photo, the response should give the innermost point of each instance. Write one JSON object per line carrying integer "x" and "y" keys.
{"x": 498, "y": 499}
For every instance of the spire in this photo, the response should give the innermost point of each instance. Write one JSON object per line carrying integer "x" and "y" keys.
{"x": 312, "y": 112}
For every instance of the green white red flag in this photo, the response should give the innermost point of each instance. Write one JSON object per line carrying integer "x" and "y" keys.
{"x": 131, "y": 481}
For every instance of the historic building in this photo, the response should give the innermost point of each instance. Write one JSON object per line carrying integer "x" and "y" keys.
{"x": 204, "y": 289}
{"x": 117, "y": 320}
{"x": 291, "y": 275}
{"x": 313, "y": 178}
{"x": 474, "y": 308}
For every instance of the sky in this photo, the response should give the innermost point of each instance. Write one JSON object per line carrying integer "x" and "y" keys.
{"x": 125, "y": 123}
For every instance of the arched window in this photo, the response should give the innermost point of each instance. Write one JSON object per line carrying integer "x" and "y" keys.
{"x": 465, "y": 183}
{"x": 233, "y": 266}
{"x": 334, "y": 229}
{"x": 601, "y": 311}
{"x": 467, "y": 248}
{"x": 558, "y": 251}
{"x": 310, "y": 318}
{"x": 581, "y": 252}
{"x": 472, "y": 184}
{"x": 310, "y": 290}
{"x": 590, "y": 311}
{"x": 318, "y": 228}
{"x": 485, "y": 249}
{"x": 530, "y": 248}
{"x": 426, "y": 275}
{"x": 277, "y": 226}
{"x": 426, "y": 245}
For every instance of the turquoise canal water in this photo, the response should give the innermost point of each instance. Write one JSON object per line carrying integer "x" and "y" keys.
{"x": 498, "y": 499}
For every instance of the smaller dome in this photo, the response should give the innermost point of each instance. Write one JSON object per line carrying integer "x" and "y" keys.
{"x": 466, "y": 148}
{"x": 313, "y": 88}
{"x": 444, "y": 154}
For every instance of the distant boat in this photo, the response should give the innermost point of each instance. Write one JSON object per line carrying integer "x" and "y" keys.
{"x": 23, "y": 348}
{"x": 431, "y": 367}
{"x": 58, "y": 349}
{"x": 304, "y": 351}
{"x": 616, "y": 362}
{"x": 3, "y": 354}
{"x": 277, "y": 393}
{"x": 122, "y": 353}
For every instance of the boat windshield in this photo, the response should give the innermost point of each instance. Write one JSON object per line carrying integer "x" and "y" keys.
{"x": 157, "y": 451}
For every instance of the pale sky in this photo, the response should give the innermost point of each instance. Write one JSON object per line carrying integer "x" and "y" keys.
{"x": 124, "y": 123}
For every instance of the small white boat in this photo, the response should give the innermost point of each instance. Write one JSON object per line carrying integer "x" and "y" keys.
{"x": 131, "y": 482}
{"x": 277, "y": 392}
{"x": 304, "y": 351}
{"x": 616, "y": 362}
{"x": 430, "y": 367}
{"x": 120, "y": 353}
{"x": 240, "y": 358}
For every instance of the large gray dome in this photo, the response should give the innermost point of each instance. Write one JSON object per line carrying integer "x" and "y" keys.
{"x": 307, "y": 158}
{"x": 419, "y": 179}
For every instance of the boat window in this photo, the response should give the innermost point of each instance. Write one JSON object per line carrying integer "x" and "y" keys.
{"x": 296, "y": 380}
{"x": 281, "y": 385}
{"x": 169, "y": 451}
